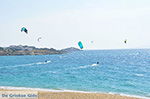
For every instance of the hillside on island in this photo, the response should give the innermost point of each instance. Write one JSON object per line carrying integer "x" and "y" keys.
{"x": 31, "y": 50}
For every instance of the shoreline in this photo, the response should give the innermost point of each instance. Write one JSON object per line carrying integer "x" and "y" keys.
{"x": 74, "y": 92}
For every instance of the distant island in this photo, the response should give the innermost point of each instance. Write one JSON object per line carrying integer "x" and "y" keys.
{"x": 31, "y": 50}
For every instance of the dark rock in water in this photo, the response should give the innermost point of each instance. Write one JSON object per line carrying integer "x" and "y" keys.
{"x": 31, "y": 50}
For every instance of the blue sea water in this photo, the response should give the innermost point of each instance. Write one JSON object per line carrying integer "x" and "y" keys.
{"x": 118, "y": 71}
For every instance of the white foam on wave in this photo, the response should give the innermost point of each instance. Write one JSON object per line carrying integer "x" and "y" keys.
{"x": 38, "y": 63}
{"x": 16, "y": 66}
{"x": 65, "y": 90}
{"x": 23, "y": 65}
{"x": 52, "y": 72}
{"x": 38, "y": 89}
{"x": 84, "y": 66}
{"x": 94, "y": 65}
{"x": 80, "y": 67}
{"x": 140, "y": 75}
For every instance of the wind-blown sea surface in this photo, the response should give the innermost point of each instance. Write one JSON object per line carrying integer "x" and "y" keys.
{"x": 118, "y": 71}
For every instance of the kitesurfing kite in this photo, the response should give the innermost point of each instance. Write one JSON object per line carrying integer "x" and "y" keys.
{"x": 24, "y": 29}
{"x": 80, "y": 45}
{"x": 125, "y": 41}
{"x": 39, "y": 39}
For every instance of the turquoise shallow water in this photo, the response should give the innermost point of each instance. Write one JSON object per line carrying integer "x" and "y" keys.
{"x": 119, "y": 71}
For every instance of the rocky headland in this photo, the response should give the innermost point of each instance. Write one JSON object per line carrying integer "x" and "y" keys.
{"x": 31, "y": 50}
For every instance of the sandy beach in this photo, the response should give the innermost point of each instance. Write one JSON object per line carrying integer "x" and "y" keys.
{"x": 72, "y": 95}
{"x": 76, "y": 95}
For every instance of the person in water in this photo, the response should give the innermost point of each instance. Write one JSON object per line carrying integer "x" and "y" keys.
{"x": 97, "y": 62}
{"x": 45, "y": 60}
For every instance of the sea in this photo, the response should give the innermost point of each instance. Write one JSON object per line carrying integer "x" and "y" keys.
{"x": 125, "y": 71}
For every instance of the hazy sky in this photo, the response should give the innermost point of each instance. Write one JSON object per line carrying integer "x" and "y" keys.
{"x": 99, "y": 24}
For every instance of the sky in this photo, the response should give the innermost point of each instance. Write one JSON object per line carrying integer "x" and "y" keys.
{"x": 99, "y": 24}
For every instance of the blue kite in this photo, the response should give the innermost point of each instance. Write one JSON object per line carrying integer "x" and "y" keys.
{"x": 80, "y": 45}
{"x": 24, "y": 29}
